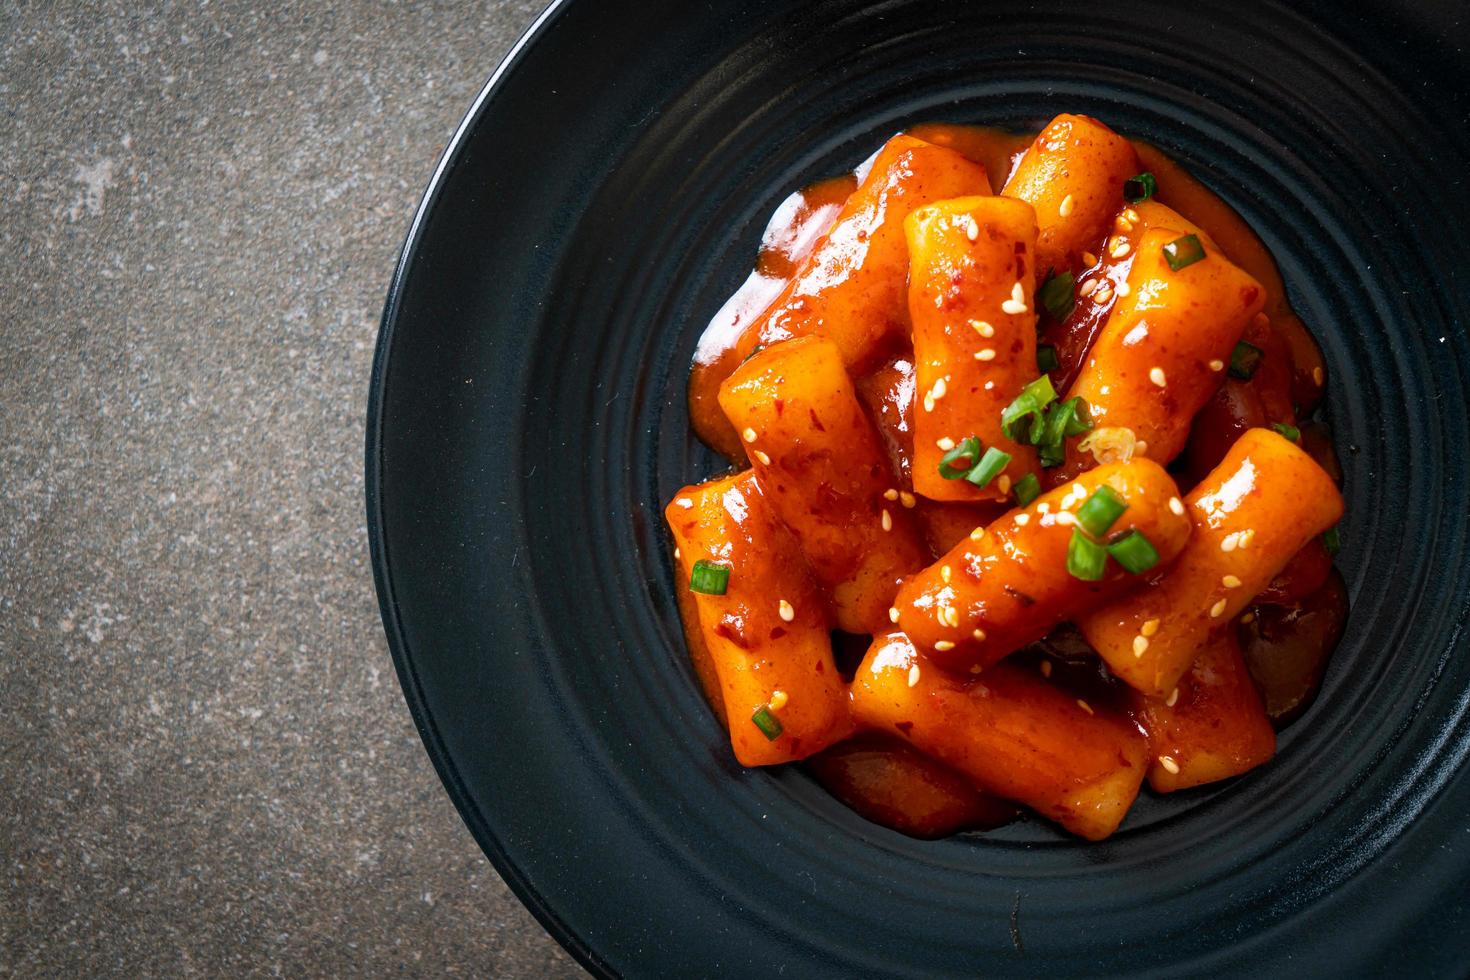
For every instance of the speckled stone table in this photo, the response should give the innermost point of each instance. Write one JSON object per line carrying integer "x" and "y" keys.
{"x": 207, "y": 765}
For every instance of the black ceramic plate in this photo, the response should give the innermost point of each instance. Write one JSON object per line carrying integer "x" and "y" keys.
{"x": 607, "y": 191}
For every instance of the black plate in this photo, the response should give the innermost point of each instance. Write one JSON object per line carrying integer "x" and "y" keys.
{"x": 527, "y": 420}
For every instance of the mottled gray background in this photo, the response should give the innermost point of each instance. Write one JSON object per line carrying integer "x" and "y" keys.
{"x": 207, "y": 765}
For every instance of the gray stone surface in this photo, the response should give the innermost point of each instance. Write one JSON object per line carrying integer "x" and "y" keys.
{"x": 207, "y": 765}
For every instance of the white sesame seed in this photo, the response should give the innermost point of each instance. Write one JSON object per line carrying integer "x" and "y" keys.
{"x": 677, "y": 555}
{"x": 945, "y": 443}
{"x": 1173, "y": 698}
{"x": 1066, "y": 206}
{"x": 1065, "y": 519}
{"x": 941, "y": 388}
{"x": 1087, "y": 288}
{"x": 1248, "y": 618}
{"x": 1085, "y": 706}
{"x": 1123, "y": 224}
{"x": 982, "y": 328}
{"x": 907, "y": 499}
{"x": 1156, "y": 375}
{"x": 1004, "y": 483}
{"x": 913, "y": 675}
{"x": 976, "y": 669}
{"x": 1149, "y": 627}
{"x": 1123, "y": 289}
{"x": 1176, "y": 506}
{"x": 1046, "y": 668}
{"x": 1246, "y": 537}
{"x": 684, "y": 502}
{"x": 1230, "y": 582}
{"x": 1140, "y": 645}
{"x": 749, "y": 435}
{"x": 1317, "y": 376}
{"x": 977, "y": 534}
{"x": 978, "y": 634}
{"x": 1022, "y": 519}
{"x": 1017, "y": 302}
{"x": 778, "y": 700}
{"x": 972, "y": 229}
{"x": 890, "y": 494}
{"x": 944, "y": 646}
{"x": 928, "y": 402}
{"x": 887, "y": 520}
{"x": 893, "y": 614}
{"x": 1089, "y": 259}
{"x": 1103, "y": 295}
{"x": 988, "y": 354}
{"x": 786, "y": 610}
{"x": 1228, "y": 543}
{"x": 1120, "y": 249}
{"x": 1217, "y": 365}
{"x": 1140, "y": 447}
{"x": 760, "y": 455}
{"x": 1217, "y": 610}
{"x": 1043, "y": 508}
{"x": 945, "y": 573}
{"x": 1169, "y": 764}
{"x": 951, "y": 616}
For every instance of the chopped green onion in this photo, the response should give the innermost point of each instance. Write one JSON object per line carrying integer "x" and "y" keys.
{"x": 1332, "y": 540}
{"x": 1183, "y": 251}
{"x": 1289, "y": 431}
{"x": 1028, "y": 488}
{"x": 1023, "y": 419}
{"x": 1139, "y": 188}
{"x": 989, "y": 467}
{"x": 1058, "y": 295}
{"x": 1244, "y": 360}
{"x": 765, "y": 719}
{"x": 709, "y": 578}
{"x": 1134, "y": 552}
{"x": 1086, "y": 559}
{"x": 960, "y": 460}
{"x": 1068, "y": 418}
{"x": 753, "y": 351}
{"x": 1046, "y": 358}
{"x": 1101, "y": 511}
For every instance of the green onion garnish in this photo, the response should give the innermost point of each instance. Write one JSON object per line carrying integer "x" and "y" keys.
{"x": 989, "y": 467}
{"x": 1028, "y": 488}
{"x": 1183, "y": 251}
{"x": 1046, "y": 358}
{"x": 1101, "y": 511}
{"x": 1058, "y": 295}
{"x": 753, "y": 351}
{"x": 1332, "y": 540}
{"x": 1134, "y": 552}
{"x": 1289, "y": 431}
{"x": 765, "y": 719}
{"x": 1139, "y": 188}
{"x": 1068, "y": 418}
{"x": 1244, "y": 360}
{"x": 960, "y": 460}
{"x": 1086, "y": 559}
{"x": 1023, "y": 419}
{"x": 709, "y": 578}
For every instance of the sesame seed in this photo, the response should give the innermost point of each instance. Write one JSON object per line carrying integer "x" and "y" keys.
{"x": 1149, "y": 627}
{"x": 1022, "y": 519}
{"x": 1089, "y": 259}
{"x": 1228, "y": 543}
{"x": 1017, "y": 302}
{"x": 988, "y": 354}
{"x": 1230, "y": 582}
{"x": 684, "y": 502}
{"x": 1140, "y": 447}
{"x": 1173, "y": 698}
{"x": 1046, "y": 668}
{"x": 1176, "y": 506}
{"x": 1103, "y": 295}
{"x": 1317, "y": 376}
{"x": 1169, "y": 764}
{"x": 1140, "y": 644}
{"x": 944, "y": 646}
{"x": 1156, "y": 375}
{"x": 1131, "y": 215}
{"x": 1217, "y": 610}
{"x": 978, "y": 634}
{"x": 778, "y": 700}
{"x": 1066, "y": 206}
{"x": 976, "y": 669}
{"x": 982, "y": 328}
{"x": 893, "y": 614}
{"x": 977, "y": 534}
{"x": 1085, "y": 706}
{"x": 890, "y": 494}
{"x": 913, "y": 675}
{"x": 1246, "y": 537}
{"x": 1123, "y": 224}
{"x": 1217, "y": 365}
{"x": 906, "y": 498}
{"x": 1261, "y": 320}
{"x": 786, "y": 610}
{"x": 972, "y": 229}
{"x": 945, "y": 573}
{"x": 951, "y": 616}
{"x": 749, "y": 435}
{"x": 1004, "y": 483}
{"x": 1248, "y": 618}
{"x": 1043, "y": 507}
{"x": 1120, "y": 249}
{"x": 677, "y": 555}
{"x": 1123, "y": 289}
{"x": 887, "y": 520}
{"x": 941, "y": 388}
{"x": 945, "y": 443}
{"x": 928, "y": 403}
{"x": 1087, "y": 288}
{"x": 1065, "y": 519}
{"x": 760, "y": 455}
